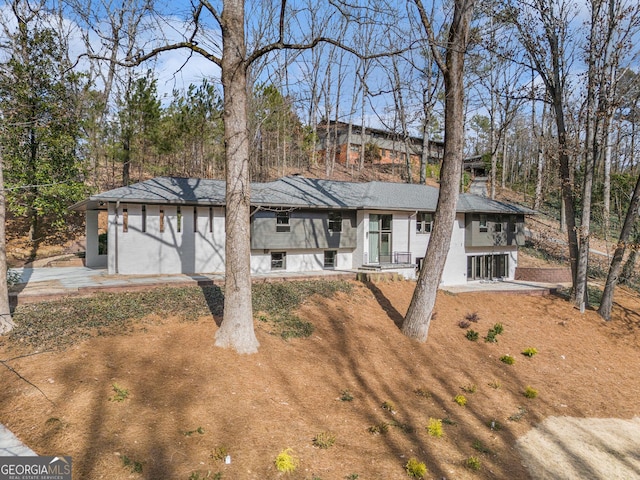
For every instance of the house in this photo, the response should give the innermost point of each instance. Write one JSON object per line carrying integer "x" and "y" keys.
{"x": 389, "y": 147}
{"x": 176, "y": 225}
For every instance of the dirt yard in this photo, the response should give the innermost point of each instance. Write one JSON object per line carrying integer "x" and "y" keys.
{"x": 190, "y": 404}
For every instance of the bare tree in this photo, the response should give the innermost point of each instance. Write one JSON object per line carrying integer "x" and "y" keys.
{"x": 418, "y": 317}
{"x": 542, "y": 28}
{"x": 6, "y": 322}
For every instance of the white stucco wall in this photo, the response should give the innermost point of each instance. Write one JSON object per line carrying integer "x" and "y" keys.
{"x": 299, "y": 261}
{"x": 92, "y": 257}
{"x": 455, "y": 267}
{"x": 148, "y": 250}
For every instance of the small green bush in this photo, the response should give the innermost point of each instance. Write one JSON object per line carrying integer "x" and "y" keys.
{"x": 530, "y": 392}
{"x": 508, "y": 359}
{"x": 435, "y": 427}
{"x": 286, "y": 462}
{"x": 471, "y": 388}
{"x": 324, "y": 440}
{"x": 346, "y": 396}
{"x": 529, "y": 352}
{"x": 220, "y": 453}
{"x": 473, "y": 463}
{"x": 121, "y": 394}
{"x": 460, "y": 400}
{"x": 133, "y": 465}
{"x": 479, "y": 446}
{"x": 495, "y": 384}
{"x": 493, "y": 333}
{"x": 472, "y": 335}
{"x": 416, "y": 469}
{"x": 379, "y": 428}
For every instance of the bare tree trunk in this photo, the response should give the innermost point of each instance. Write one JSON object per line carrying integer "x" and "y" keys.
{"x": 6, "y": 322}
{"x": 236, "y": 330}
{"x": 606, "y": 304}
{"x": 418, "y": 318}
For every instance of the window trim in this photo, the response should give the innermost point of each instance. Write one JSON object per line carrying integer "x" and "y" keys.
{"x": 483, "y": 223}
{"x": 283, "y": 226}
{"x": 335, "y": 220}
{"x": 423, "y": 227}
{"x": 283, "y": 260}
{"x": 334, "y": 263}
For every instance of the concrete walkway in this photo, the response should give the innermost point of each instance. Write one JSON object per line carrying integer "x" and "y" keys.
{"x": 10, "y": 446}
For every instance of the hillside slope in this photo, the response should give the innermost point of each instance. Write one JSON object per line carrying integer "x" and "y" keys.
{"x": 189, "y": 401}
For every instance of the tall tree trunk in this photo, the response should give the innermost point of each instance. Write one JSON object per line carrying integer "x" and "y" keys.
{"x": 6, "y": 322}
{"x": 236, "y": 330}
{"x": 606, "y": 304}
{"x": 418, "y": 318}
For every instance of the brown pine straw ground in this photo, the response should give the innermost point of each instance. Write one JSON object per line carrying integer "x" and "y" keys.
{"x": 189, "y": 401}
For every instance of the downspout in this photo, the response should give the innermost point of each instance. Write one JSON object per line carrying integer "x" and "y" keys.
{"x": 414, "y": 214}
{"x": 116, "y": 237}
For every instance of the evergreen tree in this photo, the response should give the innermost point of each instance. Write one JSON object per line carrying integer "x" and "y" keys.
{"x": 41, "y": 134}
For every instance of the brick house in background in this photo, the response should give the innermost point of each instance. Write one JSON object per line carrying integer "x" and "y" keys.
{"x": 383, "y": 147}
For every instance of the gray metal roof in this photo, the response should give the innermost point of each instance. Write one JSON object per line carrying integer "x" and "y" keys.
{"x": 295, "y": 191}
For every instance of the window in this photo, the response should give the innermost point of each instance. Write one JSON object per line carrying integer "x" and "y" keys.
{"x": 278, "y": 261}
{"x": 161, "y": 220}
{"x": 483, "y": 223}
{"x": 210, "y": 219}
{"x": 330, "y": 258}
{"x": 282, "y": 222}
{"x": 424, "y": 222}
{"x": 179, "y": 216}
{"x": 335, "y": 222}
{"x": 497, "y": 226}
{"x": 144, "y": 218}
{"x": 514, "y": 224}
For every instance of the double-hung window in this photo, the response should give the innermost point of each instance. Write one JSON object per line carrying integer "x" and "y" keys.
{"x": 282, "y": 222}
{"x": 424, "y": 222}
{"x": 335, "y": 222}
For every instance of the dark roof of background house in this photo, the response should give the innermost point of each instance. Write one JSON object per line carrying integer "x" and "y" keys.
{"x": 295, "y": 192}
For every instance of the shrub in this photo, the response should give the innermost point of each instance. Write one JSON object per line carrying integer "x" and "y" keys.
{"x": 516, "y": 417}
{"x": 473, "y": 463}
{"x": 529, "y": 352}
{"x": 471, "y": 388}
{"x": 479, "y": 446}
{"x": 389, "y": 406}
{"x": 472, "y": 317}
{"x": 286, "y": 462}
{"x": 494, "y": 425}
{"x": 134, "y": 465}
{"x": 495, "y": 384}
{"x": 435, "y": 427}
{"x": 379, "y": 428}
{"x": 324, "y": 440}
{"x": 346, "y": 396}
{"x": 530, "y": 392}
{"x": 493, "y": 333}
{"x": 422, "y": 392}
{"x": 220, "y": 453}
{"x": 120, "y": 395}
{"x": 508, "y": 359}
{"x": 460, "y": 400}
{"x": 416, "y": 469}
{"x": 464, "y": 324}
{"x": 472, "y": 335}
